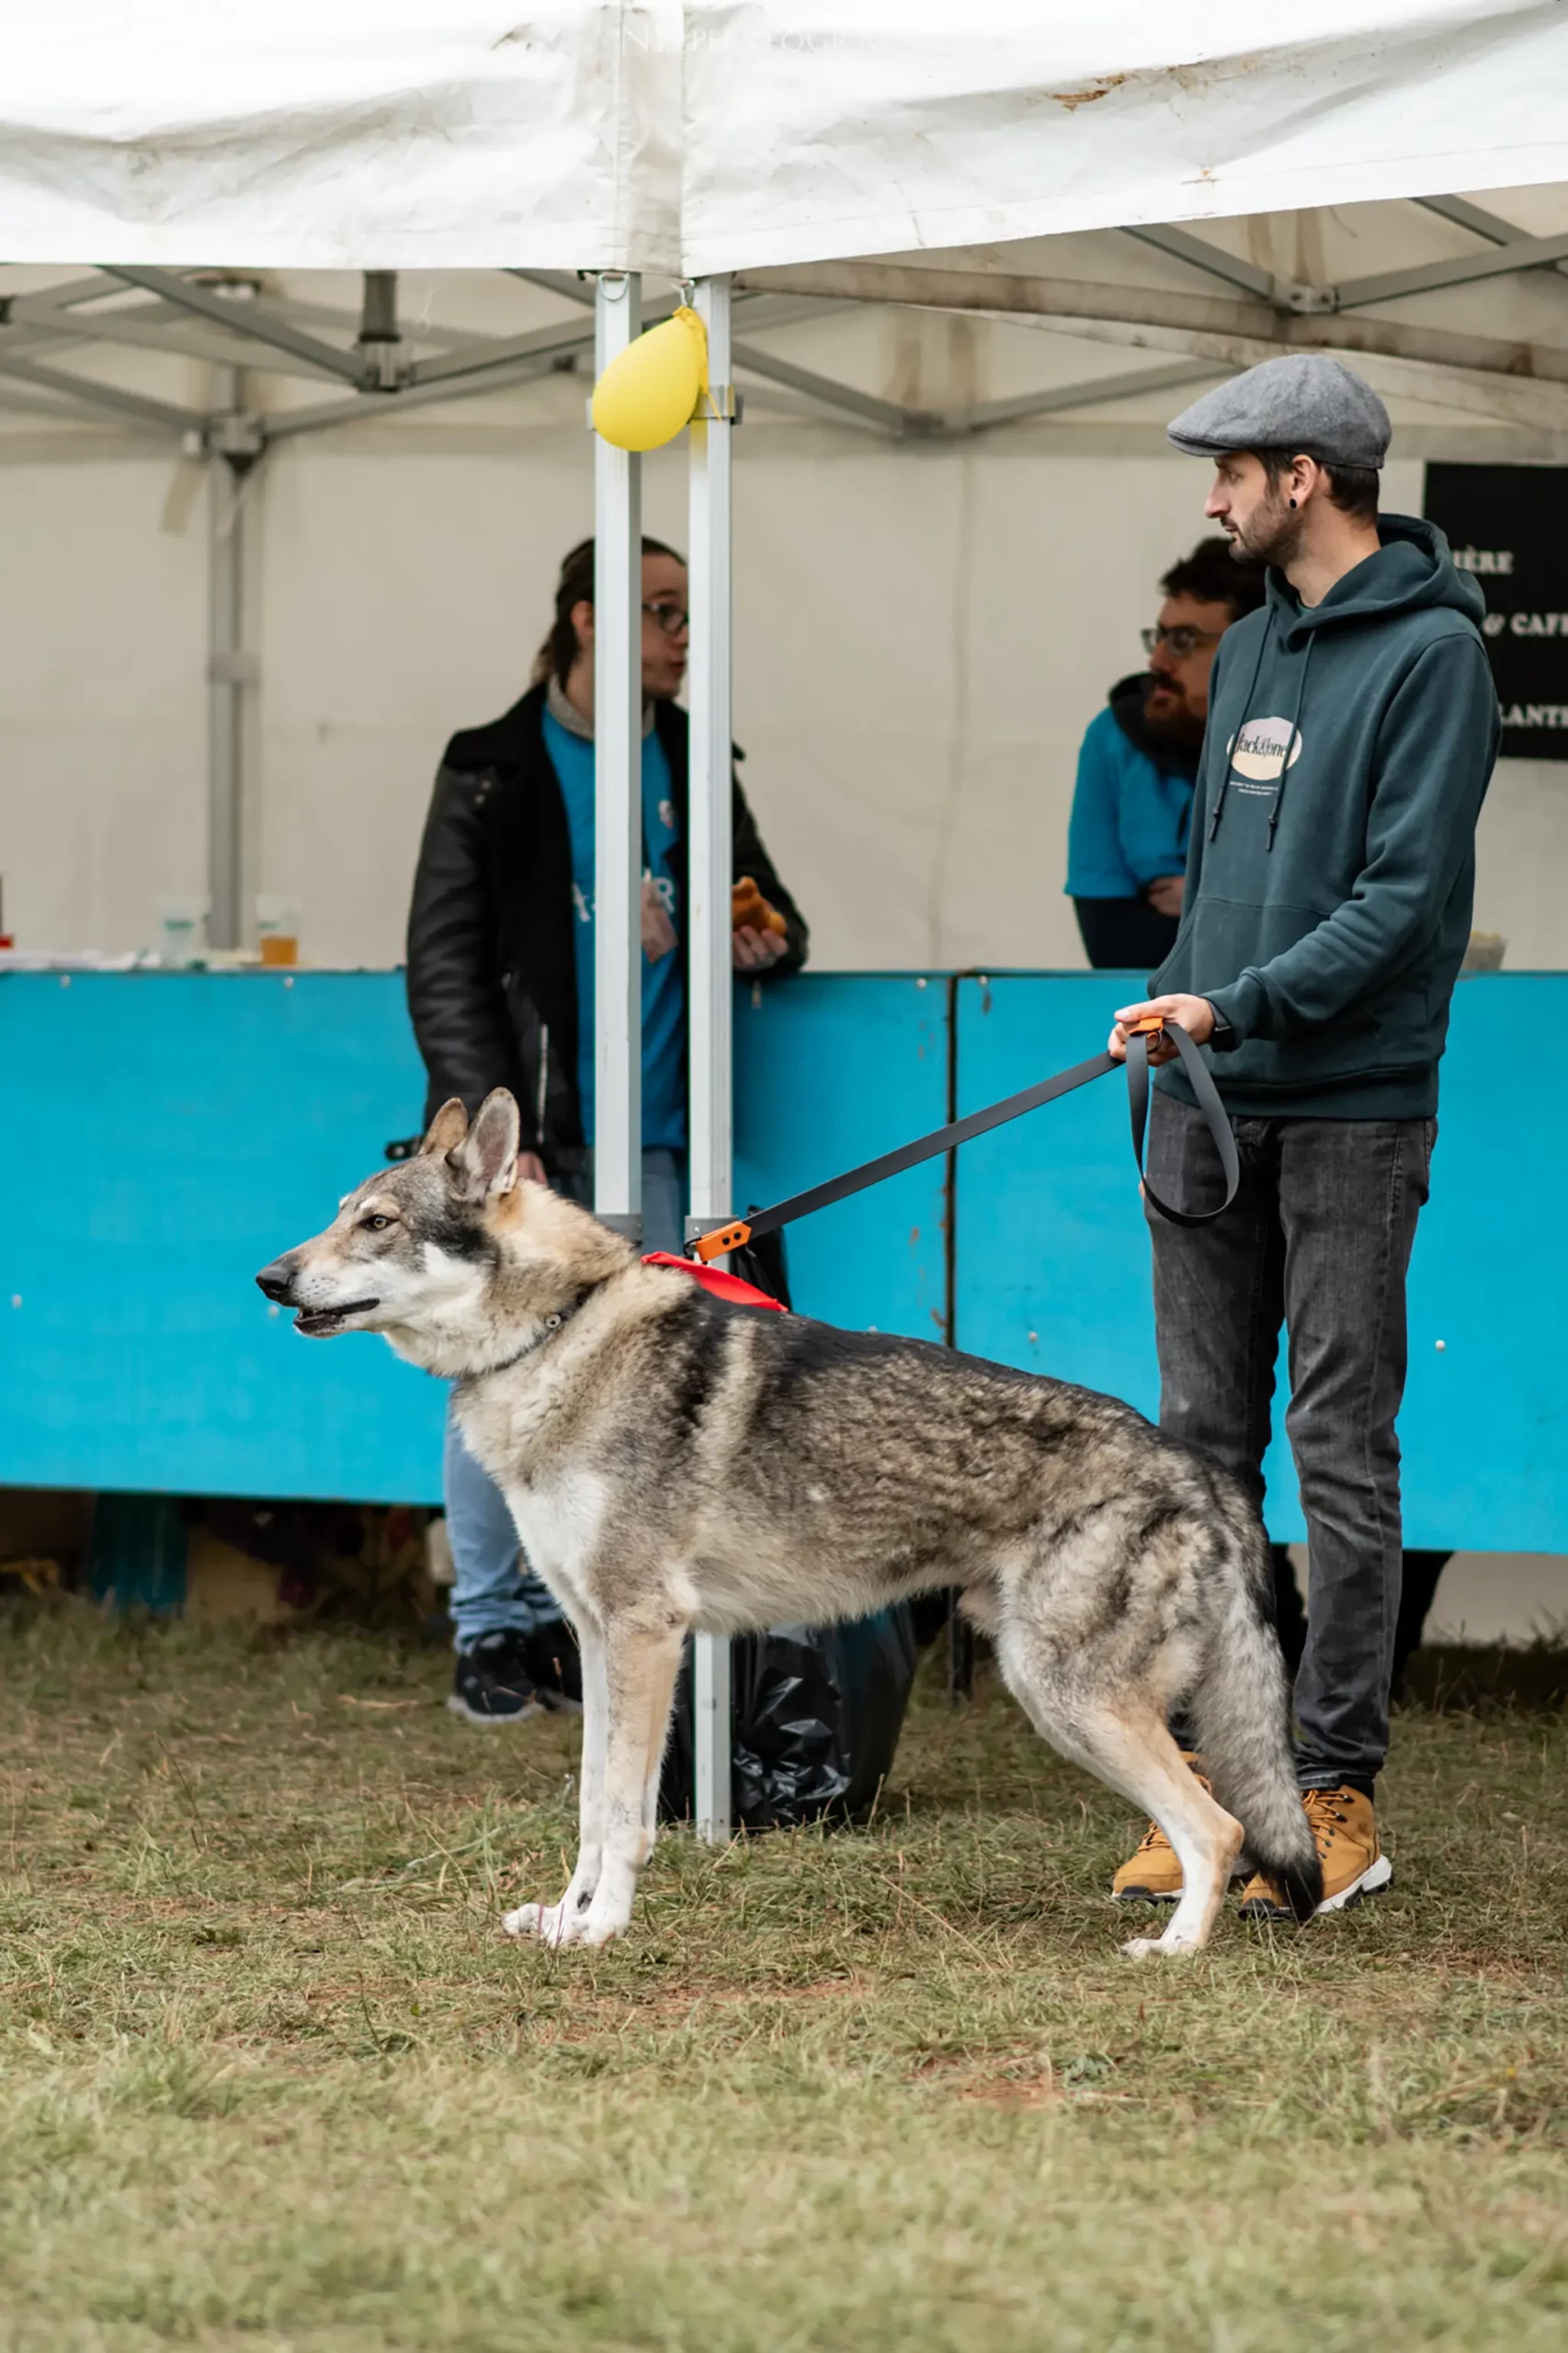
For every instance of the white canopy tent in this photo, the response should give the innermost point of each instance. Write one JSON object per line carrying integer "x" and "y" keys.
{"x": 784, "y": 156}
{"x": 731, "y": 134}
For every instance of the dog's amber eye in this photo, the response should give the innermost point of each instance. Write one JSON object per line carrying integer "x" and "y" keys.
{"x": 377, "y": 1223}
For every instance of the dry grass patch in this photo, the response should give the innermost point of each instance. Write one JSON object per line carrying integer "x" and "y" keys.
{"x": 274, "y": 2079}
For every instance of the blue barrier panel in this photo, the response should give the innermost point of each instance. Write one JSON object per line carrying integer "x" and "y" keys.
{"x": 1052, "y": 1264}
{"x": 831, "y": 1069}
{"x": 171, "y": 1133}
{"x": 1052, "y": 1259}
{"x": 167, "y": 1134}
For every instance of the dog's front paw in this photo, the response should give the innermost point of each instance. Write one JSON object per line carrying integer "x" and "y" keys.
{"x": 604, "y": 1922}
{"x": 1148, "y": 1947}
{"x": 552, "y": 1923}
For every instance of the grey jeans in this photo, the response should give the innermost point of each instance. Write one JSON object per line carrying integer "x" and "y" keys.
{"x": 1318, "y": 1240}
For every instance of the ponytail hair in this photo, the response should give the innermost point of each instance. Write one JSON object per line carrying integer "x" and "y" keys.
{"x": 574, "y": 587}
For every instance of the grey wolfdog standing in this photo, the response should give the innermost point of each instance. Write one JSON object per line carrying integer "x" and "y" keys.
{"x": 676, "y": 1461}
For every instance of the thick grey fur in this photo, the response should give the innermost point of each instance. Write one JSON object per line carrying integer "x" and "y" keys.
{"x": 677, "y": 1463}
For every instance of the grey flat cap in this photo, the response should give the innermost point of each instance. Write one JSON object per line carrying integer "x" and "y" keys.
{"x": 1307, "y": 403}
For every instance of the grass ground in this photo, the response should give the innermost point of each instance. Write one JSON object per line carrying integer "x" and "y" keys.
{"x": 272, "y": 2078}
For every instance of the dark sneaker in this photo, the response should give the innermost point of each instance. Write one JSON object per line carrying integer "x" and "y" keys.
{"x": 556, "y": 1666}
{"x": 493, "y": 1684}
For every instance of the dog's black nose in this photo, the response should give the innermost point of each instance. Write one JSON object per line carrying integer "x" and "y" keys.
{"x": 277, "y": 1281}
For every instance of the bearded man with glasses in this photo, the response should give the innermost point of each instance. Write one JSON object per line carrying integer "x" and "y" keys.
{"x": 501, "y": 989}
{"x": 1126, "y": 841}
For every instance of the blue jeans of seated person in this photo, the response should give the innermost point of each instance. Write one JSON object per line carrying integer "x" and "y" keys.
{"x": 494, "y": 1590}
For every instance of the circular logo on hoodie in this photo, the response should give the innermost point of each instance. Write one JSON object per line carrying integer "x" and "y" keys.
{"x": 1258, "y": 753}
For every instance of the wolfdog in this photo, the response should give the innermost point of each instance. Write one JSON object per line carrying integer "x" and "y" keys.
{"x": 676, "y": 1461}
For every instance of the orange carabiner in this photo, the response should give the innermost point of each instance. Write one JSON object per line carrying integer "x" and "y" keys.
{"x": 725, "y": 1238}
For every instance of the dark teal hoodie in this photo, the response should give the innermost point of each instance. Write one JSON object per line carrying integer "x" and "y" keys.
{"x": 1331, "y": 866}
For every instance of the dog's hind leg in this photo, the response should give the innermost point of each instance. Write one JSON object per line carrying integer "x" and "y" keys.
{"x": 1207, "y": 1839}
{"x": 548, "y": 1921}
{"x": 1127, "y": 1746}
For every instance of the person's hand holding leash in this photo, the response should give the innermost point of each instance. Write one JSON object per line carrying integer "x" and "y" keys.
{"x": 1195, "y": 1014}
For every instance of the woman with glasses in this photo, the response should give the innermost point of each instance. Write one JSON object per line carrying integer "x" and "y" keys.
{"x": 1126, "y": 841}
{"x": 501, "y": 989}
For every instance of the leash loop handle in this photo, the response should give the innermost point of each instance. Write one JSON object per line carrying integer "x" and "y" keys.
{"x": 1140, "y": 1038}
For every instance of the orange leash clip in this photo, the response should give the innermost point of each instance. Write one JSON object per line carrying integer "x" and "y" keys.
{"x": 708, "y": 1246}
{"x": 1152, "y": 1025}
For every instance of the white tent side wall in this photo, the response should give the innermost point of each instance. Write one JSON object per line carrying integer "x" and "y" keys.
{"x": 921, "y": 637}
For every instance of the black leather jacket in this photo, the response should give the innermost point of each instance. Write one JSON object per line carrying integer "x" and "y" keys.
{"x": 491, "y": 971}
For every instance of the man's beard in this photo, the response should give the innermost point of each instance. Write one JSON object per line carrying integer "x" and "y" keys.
{"x": 1272, "y": 537}
{"x": 1179, "y": 723}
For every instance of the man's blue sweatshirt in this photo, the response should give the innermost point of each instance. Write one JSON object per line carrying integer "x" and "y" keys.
{"x": 1331, "y": 865}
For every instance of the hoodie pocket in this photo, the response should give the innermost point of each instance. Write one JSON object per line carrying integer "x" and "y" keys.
{"x": 1225, "y": 936}
{"x": 1228, "y": 938}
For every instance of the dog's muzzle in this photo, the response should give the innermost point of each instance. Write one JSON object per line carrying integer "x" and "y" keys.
{"x": 276, "y": 1281}
{"x": 316, "y": 1323}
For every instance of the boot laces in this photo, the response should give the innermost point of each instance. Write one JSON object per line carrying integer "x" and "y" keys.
{"x": 1325, "y": 1812}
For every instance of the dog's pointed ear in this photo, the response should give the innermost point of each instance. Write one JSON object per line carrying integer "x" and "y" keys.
{"x": 485, "y": 1162}
{"x": 446, "y": 1131}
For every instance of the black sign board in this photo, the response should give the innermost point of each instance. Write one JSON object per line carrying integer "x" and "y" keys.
{"x": 1509, "y": 525}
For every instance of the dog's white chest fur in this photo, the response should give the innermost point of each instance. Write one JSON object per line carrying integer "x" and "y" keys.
{"x": 558, "y": 1521}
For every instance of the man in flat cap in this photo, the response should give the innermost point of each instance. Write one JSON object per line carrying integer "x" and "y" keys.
{"x": 1352, "y": 731}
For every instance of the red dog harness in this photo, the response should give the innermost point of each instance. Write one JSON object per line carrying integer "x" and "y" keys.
{"x": 714, "y": 1279}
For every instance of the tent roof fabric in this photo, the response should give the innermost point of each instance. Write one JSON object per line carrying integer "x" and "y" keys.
{"x": 731, "y": 135}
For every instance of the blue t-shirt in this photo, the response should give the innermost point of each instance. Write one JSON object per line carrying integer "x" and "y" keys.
{"x": 1129, "y": 818}
{"x": 664, "y": 997}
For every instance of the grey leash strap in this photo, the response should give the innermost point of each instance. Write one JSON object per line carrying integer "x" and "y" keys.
{"x": 735, "y": 1233}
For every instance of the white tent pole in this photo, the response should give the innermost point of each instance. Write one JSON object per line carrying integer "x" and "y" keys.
{"x": 710, "y": 831}
{"x": 225, "y": 641}
{"x": 618, "y": 787}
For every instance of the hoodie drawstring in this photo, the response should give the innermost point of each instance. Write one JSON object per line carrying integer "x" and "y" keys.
{"x": 1247, "y": 708}
{"x": 1291, "y": 741}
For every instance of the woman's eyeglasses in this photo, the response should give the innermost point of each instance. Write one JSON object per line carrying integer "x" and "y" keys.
{"x": 1181, "y": 640}
{"x": 671, "y": 618}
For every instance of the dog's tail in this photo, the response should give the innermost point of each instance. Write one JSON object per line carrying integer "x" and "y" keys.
{"x": 1241, "y": 1706}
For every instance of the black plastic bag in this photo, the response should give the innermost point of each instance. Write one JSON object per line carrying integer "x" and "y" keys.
{"x": 762, "y": 1264}
{"x": 815, "y": 1716}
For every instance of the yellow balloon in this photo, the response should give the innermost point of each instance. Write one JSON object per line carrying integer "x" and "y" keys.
{"x": 649, "y": 392}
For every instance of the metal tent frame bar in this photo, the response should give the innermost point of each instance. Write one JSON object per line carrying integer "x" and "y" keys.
{"x": 47, "y": 337}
